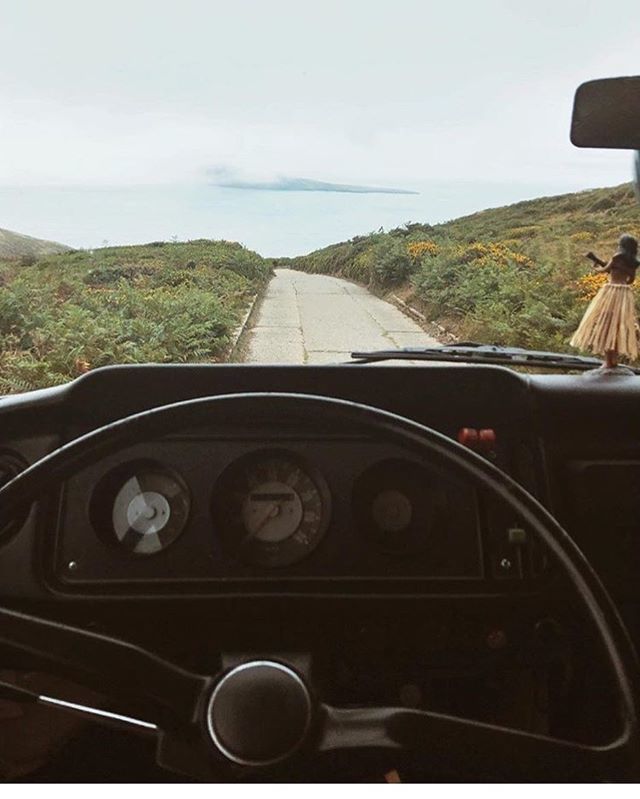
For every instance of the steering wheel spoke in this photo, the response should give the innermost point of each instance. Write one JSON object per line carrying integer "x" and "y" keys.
{"x": 115, "y": 668}
{"x": 461, "y": 746}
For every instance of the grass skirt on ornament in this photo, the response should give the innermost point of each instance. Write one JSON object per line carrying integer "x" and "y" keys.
{"x": 609, "y": 323}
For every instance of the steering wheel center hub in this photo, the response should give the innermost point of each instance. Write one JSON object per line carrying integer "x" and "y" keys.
{"x": 259, "y": 713}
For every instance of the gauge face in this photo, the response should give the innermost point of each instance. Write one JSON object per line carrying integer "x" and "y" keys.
{"x": 395, "y": 505}
{"x": 391, "y": 511}
{"x": 143, "y": 508}
{"x": 271, "y": 509}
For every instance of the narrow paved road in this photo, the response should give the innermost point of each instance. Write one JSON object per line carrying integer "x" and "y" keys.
{"x": 321, "y": 319}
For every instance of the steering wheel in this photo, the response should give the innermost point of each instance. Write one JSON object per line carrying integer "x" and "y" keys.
{"x": 263, "y": 716}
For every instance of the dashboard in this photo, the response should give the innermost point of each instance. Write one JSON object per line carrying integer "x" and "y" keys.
{"x": 244, "y": 510}
{"x": 271, "y": 504}
{"x": 264, "y": 536}
{"x": 294, "y": 505}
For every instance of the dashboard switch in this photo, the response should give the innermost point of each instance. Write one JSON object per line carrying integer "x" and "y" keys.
{"x": 482, "y": 441}
{"x": 468, "y": 437}
{"x": 487, "y": 440}
{"x": 506, "y": 564}
{"x": 517, "y": 536}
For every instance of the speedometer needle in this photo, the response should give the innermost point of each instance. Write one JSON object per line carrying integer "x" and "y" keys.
{"x": 272, "y": 510}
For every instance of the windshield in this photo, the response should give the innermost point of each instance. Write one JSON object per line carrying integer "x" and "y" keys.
{"x": 277, "y": 182}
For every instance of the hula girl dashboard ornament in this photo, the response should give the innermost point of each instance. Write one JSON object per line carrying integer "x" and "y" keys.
{"x": 609, "y": 325}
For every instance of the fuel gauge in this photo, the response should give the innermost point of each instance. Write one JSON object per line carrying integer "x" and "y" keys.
{"x": 142, "y": 508}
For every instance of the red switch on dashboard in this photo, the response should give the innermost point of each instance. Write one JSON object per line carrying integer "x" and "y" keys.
{"x": 483, "y": 441}
{"x": 487, "y": 440}
{"x": 468, "y": 437}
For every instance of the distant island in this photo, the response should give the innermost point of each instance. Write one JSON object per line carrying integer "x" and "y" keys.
{"x": 302, "y": 184}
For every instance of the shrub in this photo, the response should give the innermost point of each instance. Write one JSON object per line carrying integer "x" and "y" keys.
{"x": 105, "y": 275}
{"x": 419, "y": 249}
{"x": 66, "y": 314}
{"x": 391, "y": 262}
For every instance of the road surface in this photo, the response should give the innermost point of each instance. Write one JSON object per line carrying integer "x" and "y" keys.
{"x": 320, "y": 319}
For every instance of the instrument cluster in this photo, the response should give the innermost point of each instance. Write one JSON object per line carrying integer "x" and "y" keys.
{"x": 206, "y": 511}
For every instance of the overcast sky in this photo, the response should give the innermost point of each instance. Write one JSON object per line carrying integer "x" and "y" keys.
{"x": 127, "y": 92}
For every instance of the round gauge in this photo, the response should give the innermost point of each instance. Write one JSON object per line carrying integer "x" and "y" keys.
{"x": 395, "y": 504}
{"x": 271, "y": 509}
{"x": 144, "y": 508}
{"x": 391, "y": 511}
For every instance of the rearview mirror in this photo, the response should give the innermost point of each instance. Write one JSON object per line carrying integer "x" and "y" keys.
{"x": 606, "y": 113}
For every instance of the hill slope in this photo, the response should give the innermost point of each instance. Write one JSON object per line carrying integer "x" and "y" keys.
{"x": 513, "y": 275}
{"x": 160, "y": 302}
{"x": 16, "y": 245}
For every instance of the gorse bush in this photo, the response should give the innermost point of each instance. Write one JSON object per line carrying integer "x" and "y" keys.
{"x": 391, "y": 262}
{"x": 160, "y": 303}
{"x": 500, "y": 302}
{"x": 514, "y": 275}
{"x": 418, "y": 249}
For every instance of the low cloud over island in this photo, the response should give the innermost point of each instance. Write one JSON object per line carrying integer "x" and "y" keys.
{"x": 228, "y": 179}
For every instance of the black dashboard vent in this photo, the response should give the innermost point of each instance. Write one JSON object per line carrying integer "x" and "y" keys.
{"x": 11, "y": 464}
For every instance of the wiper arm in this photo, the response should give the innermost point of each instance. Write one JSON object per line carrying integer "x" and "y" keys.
{"x": 471, "y": 352}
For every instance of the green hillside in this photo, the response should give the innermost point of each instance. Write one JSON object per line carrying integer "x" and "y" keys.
{"x": 160, "y": 302}
{"x": 15, "y": 245}
{"x": 513, "y": 275}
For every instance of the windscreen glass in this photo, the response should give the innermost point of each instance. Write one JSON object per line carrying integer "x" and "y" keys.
{"x": 282, "y": 182}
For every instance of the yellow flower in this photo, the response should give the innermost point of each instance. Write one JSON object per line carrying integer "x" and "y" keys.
{"x": 488, "y": 253}
{"x": 418, "y": 249}
{"x": 582, "y": 235}
{"x": 589, "y": 285}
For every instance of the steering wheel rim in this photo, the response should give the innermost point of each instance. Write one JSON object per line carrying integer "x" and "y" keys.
{"x": 334, "y": 728}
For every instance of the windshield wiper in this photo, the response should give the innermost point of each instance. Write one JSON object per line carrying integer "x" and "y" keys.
{"x": 471, "y": 352}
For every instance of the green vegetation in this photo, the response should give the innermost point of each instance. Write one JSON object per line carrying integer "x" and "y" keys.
{"x": 161, "y": 302}
{"x": 514, "y": 275}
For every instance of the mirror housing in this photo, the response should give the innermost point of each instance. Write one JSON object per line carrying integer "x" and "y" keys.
{"x": 606, "y": 114}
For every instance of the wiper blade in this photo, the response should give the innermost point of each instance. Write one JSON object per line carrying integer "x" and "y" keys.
{"x": 471, "y": 352}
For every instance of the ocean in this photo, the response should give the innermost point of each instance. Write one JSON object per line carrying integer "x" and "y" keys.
{"x": 274, "y": 223}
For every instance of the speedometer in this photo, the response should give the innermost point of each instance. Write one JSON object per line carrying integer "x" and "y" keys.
{"x": 271, "y": 509}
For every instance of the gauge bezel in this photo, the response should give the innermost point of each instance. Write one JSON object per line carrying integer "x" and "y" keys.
{"x": 104, "y": 495}
{"x": 231, "y": 530}
{"x": 426, "y": 502}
